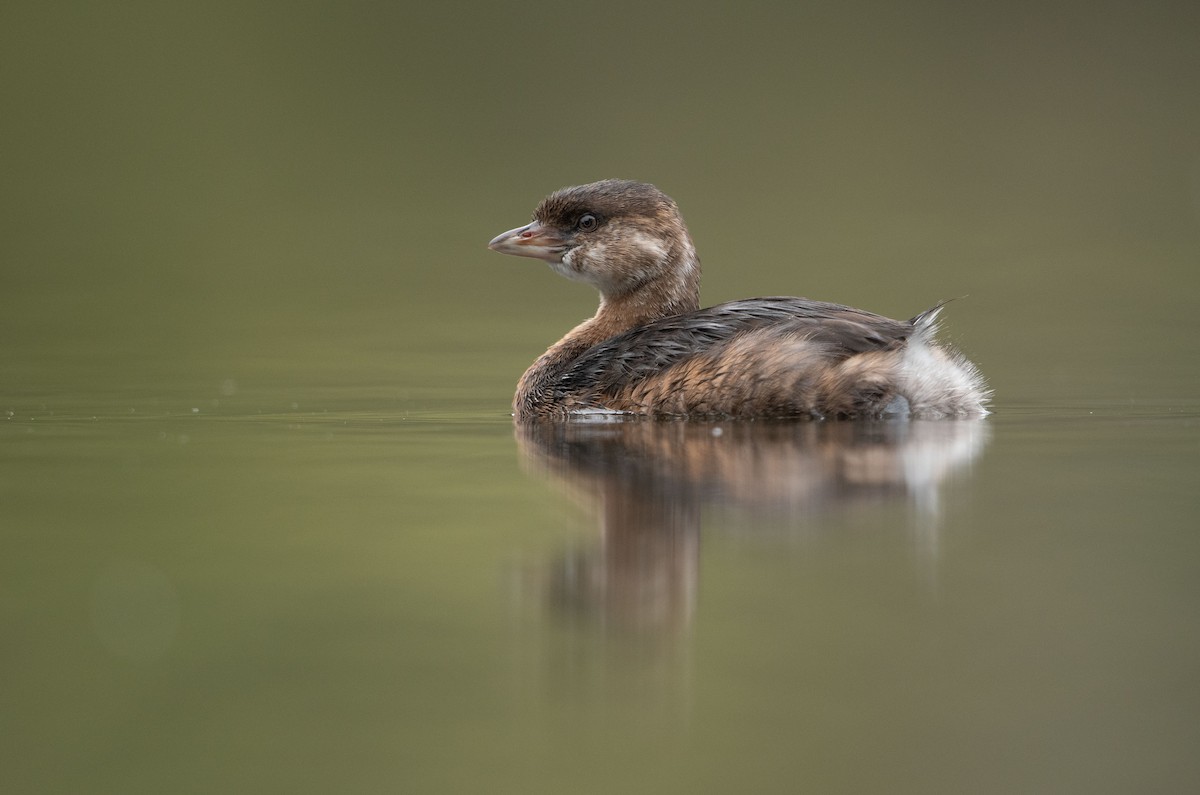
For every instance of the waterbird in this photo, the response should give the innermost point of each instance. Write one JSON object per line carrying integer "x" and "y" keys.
{"x": 650, "y": 349}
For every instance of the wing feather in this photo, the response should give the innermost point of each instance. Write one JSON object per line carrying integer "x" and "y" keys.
{"x": 648, "y": 350}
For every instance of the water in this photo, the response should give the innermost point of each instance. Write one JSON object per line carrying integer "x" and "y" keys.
{"x": 360, "y": 599}
{"x": 265, "y": 521}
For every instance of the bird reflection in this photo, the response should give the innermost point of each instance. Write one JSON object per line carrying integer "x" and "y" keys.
{"x": 649, "y": 481}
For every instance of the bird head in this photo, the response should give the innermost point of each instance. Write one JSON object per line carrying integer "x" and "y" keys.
{"x": 616, "y": 235}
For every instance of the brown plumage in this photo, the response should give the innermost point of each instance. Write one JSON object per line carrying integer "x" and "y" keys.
{"x": 650, "y": 350}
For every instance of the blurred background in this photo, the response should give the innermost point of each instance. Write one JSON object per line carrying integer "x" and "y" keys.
{"x": 190, "y": 183}
{"x": 265, "y": 524}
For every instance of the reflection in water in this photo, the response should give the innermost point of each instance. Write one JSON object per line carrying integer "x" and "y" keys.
{"x": 649, "y": 481}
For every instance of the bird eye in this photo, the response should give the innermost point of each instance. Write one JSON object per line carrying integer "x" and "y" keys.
{"x": 587, "y": 222}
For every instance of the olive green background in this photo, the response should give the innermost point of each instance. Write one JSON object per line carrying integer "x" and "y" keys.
{"x": 181, "y": 179}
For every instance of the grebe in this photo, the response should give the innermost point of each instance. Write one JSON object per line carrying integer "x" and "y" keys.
{"x": 651, "y": 350}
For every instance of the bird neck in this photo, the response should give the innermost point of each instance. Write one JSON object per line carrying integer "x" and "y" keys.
{"x": 674, "y": 290}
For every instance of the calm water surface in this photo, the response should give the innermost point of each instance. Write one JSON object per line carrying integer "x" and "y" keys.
{"x": 249, "y": 594}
